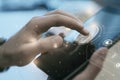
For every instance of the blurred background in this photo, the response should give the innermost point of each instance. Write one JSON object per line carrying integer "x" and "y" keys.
{"x": 14, "y": 14}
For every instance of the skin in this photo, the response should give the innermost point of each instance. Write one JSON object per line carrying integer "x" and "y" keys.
{"x": 95, "y": 65}
{"x": 22, "y": 48}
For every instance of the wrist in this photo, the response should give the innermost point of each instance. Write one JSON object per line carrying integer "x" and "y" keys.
{"x": 3, "y": 61}
{"x": 3, "y": 67}
{"x": 1, "y": 57}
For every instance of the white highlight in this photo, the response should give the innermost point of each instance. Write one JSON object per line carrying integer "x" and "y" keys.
{"x": 55, "y": 45}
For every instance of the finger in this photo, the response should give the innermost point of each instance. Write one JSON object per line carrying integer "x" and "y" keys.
{"x": 62, "y": 13}
{"x": 49, "y": 43}
{"x": 42, "y": 45}
{"x": 94, "y": 67}
{"x": 42, "y": 24}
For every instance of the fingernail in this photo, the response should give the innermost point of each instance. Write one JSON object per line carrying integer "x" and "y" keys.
{"x": 62, "y": 35}
{"x": 103, "y": 51}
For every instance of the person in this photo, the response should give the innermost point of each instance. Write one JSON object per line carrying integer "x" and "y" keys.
{"x": 23, "y": 47}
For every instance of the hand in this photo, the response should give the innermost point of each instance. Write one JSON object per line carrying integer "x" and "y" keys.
{"x": 26, "y": 44}
{"x": 68, "y": 56}
{"x": 94, "y": 67}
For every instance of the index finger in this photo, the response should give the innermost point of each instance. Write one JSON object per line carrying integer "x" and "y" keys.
{"x": 44, "y": 23}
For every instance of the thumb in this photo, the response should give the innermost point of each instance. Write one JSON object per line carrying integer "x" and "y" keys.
{"x": 49, "y": 43}
{"x": 95, "y": 65}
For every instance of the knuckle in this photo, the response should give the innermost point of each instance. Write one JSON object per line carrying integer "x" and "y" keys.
{"x": 35, "y": 17}
{"x": 58, "y": 11}
{"x": 34, "y": 21}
